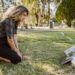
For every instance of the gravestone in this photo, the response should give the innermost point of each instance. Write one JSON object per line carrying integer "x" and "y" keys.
{"x": 51, "y": 24}
{"x": 70, "y": 55}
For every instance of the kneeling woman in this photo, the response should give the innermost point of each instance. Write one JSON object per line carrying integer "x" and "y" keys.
{"x": 9, "y": 50}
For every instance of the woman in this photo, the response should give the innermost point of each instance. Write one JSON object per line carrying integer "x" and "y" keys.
{"x": 9, "y": 50}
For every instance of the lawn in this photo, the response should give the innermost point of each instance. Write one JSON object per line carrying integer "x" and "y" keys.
{"x": 46, "y": 52}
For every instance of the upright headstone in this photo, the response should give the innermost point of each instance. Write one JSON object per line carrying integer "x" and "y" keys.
{"x": 51, "y": 24}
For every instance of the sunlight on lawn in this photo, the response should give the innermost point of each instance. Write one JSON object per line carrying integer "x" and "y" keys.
{"x": 1, "y": 73}
{"x": 21, "y": 35}
{"x": 45, "y": 67}
{"x": 60, "y": 44}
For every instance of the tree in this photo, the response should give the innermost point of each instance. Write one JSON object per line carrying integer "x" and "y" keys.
{"x": 66, "y": 11}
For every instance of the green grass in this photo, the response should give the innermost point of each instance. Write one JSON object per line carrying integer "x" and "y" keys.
{"x": 46, "y": 52}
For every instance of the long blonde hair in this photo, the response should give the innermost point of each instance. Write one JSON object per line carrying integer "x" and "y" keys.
{"x": 15, "y": 11}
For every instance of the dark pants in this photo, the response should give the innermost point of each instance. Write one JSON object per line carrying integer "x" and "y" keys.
{"x": 7, "y": 53}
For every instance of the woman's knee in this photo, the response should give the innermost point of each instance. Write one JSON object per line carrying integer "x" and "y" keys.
{"x": 17, "y": 60}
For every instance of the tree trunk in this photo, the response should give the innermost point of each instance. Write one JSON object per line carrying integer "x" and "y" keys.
{"x": 49, "y": 10}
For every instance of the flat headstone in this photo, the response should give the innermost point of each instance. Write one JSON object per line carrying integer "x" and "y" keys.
{"x": 70, "y": 53}
{"x": 70, "y": 50}
{"x": 67, "y": 60}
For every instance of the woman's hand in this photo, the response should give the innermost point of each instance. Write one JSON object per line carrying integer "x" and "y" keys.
{"x": 19, "y": 53}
